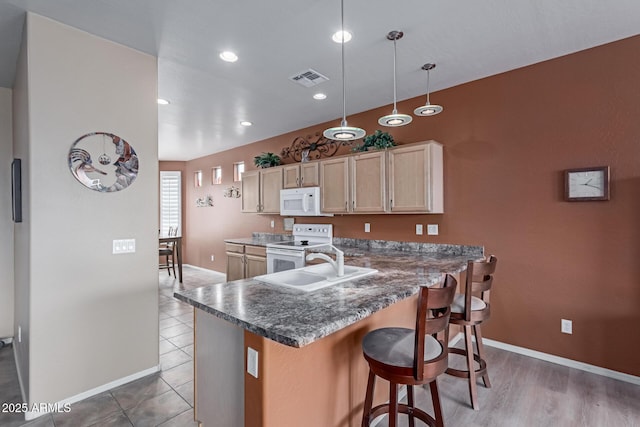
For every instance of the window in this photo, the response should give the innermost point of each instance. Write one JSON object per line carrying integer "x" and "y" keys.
{"x": 216, "y": 175}
{"x": 238, "y": 170}
{"x": 197, "y": 179}
{"x": 170, "y": 201}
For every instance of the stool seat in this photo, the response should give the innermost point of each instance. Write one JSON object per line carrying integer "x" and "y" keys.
{"x": 458, "y": 304}
{"x": 411, "y": 357}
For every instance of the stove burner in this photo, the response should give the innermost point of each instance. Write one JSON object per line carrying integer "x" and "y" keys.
{"x": 304, "y": 243}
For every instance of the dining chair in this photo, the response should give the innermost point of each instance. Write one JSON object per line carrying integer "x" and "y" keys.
{"x": 469, "y": 310}
{"x": 167, "y": 251}
{"x": 411, "y": 357}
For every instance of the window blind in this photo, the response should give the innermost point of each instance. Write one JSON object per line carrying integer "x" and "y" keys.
{"x": 170, "y": 201}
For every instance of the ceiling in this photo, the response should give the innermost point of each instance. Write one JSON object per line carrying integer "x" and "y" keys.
{"x": 276, "y": 39}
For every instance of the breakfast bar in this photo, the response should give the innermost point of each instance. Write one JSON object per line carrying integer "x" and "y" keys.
{"x": 267, "y": 355}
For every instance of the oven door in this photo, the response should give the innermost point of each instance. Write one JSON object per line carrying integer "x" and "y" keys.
{"x": 284, "y": 259}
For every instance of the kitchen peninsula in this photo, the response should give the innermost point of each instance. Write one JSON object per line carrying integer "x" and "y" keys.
{"x": 303, "y": 348}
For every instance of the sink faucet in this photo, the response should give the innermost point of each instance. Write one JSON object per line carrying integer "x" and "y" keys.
{"x": 338, "y": 264}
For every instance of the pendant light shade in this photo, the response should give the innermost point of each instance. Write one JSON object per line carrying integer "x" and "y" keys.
{"x": 428, "y": 109}
{"x": 344, "y": 132}
{"x": 394, "y": 119}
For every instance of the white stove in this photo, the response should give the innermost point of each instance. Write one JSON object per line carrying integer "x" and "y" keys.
{"x": 288, "y": 255}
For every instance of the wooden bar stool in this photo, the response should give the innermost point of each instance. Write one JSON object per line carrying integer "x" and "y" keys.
{"x": 411, "y": 357}
{"x": 469, "y": 311}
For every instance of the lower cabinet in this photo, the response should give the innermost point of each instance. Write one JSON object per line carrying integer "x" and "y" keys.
{"x": 245, "y": 261}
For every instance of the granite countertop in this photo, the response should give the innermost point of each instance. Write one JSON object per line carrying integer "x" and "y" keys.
{"x": 260, "y": 239}
{"x": 297, "y": 318}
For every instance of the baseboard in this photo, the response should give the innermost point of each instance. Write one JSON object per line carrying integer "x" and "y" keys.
{"x": 203, "y": 269}
{"x": 29, "y": 415}
{"x": 20, "y": 382}
{"x": 621, "y": 376}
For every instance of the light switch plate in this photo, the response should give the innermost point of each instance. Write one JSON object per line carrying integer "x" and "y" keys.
{"x": 124, "y": 246}
{"x": 252, "y": 362}
{"x": 418, "y": 229}
{"x": 432, "y": 229}
{"x": 367, "y": 227}
{"x": 566, "y": 326}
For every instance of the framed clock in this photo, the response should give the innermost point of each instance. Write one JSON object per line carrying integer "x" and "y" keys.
{"x": 586, "y": 184}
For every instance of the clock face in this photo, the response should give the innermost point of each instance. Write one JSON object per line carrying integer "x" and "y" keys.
{"x": 587, "y": 184}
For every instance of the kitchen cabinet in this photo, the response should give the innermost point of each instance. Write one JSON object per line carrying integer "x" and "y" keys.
{"x": 301, "y": 175}
{"x": 353, "y": 184}
{"x": 261, "y": 190}
{"x": 415, "y": 178}
{"x": 245, "y": 261}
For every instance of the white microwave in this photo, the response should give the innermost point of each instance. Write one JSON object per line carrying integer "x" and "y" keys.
{"x": 300, "y": 202}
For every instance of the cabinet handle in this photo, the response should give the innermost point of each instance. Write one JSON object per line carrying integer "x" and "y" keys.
{"x": 257, "y": 208}
{"x": 298, "y": 182}
{"x": 353, "y": 203}
{"x": 391, "y": 204}
{"x": 346, "y": 206}
{"x": 301, "y": 180}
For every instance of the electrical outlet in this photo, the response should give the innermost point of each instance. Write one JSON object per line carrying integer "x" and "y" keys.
{"x": 432, "y": 229}
{"x": 273, "y": 225}
{"x": 419, "y": 229}
{"x": 566, "y": 326}
{"x": 252, "y": 362}
{"x": 213, "y": 257}
{"x": 367, "y": 227}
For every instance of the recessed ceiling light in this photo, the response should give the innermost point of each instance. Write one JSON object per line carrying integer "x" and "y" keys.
{"x": 339, "y": 36}
{"x": 245, "y": 123}
{"x": 228, "y": 56}
{"x": 163, "y": 101}
{"x": 319, "y": 96}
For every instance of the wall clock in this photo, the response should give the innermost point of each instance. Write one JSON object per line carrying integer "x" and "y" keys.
{"x": 103, "y": 162}
{"x": 587, "y": 184}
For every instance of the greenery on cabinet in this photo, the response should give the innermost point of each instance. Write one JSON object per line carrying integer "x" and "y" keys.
{"x": 378, "y": 140}
{"x": 266, "y": 160}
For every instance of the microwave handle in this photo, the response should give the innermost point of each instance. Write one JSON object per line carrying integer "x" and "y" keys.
{"x": 305, "y": 202}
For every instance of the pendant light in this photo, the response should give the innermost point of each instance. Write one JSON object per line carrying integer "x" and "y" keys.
{"x": 428, "y": 109}
{"x": 344, "y": 132}
{"x": 394, "y": 119}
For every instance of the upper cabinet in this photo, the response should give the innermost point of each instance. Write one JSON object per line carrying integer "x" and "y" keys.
{"x": 261, "y": 190}
{"x": 353, "y": 184}
{"x": 416, "y": 178}
{"x": 301, "y": 175}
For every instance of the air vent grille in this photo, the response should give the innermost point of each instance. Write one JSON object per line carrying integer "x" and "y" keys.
{"x": 309, "y": 78}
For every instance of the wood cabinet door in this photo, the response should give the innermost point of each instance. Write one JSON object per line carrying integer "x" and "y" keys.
{"x": 309, "y": 174}
{"x": 291, "y": 176}
{"x": 368, "y": 182}
{"x": 415, "y": 179}
{"x": 255, "y": 266}
{"x": 334, "y": 185}
{"x": 270, "y": 186}
{"x": 251, "y": 191}
{"x": 235, "y": 266}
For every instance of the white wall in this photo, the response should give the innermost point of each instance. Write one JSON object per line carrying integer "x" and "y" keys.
{"x": 93, "y": 315}
{"x": 6, "y": 224}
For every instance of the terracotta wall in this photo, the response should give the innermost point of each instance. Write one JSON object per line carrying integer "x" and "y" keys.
{"x": 507, "y": 140}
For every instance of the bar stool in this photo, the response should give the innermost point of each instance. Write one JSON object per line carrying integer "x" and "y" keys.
{"x": 411, "y": 357}
{"x": 470, "y": 311}
{"x": 168, "y": 251}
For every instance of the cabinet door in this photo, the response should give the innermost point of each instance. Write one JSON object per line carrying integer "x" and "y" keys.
{"x": 270, "y": 186}
{"x": 291, "y": 177}
{"x": 368, "y": 182}
{"x": 251, "y": 191}
{"x": 415, "y": 179}
{"x": 309, "y": 174}
{"x": 334, "y": 185}
{"x": 255, "y": 266}
{"x": 235, "y": 266}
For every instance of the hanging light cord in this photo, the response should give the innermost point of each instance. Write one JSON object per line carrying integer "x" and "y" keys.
{"x": 395, "y": 109}
{"x": 428, "y": 88}
{"x": 344, "y": 96}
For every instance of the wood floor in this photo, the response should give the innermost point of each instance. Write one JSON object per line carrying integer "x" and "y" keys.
{"x": 528, "y": 392}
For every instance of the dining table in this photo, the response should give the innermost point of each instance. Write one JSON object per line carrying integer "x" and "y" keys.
{"x": 176, "y": 241}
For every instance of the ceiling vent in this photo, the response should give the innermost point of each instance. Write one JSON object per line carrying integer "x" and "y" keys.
{"x": 309, "y": 78}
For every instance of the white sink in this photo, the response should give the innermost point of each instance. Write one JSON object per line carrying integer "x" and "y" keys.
{"x": 314, "y": 277}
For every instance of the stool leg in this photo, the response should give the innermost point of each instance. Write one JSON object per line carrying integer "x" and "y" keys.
{"x": 168, "y": 269}
{"x": 393, "y": 404}
{"x": 173, "y": 264}
{"x": 481, "y": 354}
{"x": 435, "y": 398}
{"x": 368, "y": 399}
{"x": 410, "y": 404}
{"x": 471, "y": 367}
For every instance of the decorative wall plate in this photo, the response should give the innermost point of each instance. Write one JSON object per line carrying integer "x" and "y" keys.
{"x": 117, "y": 162}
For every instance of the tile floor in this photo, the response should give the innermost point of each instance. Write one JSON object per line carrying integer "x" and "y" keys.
{"x": 163, "y": 399}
